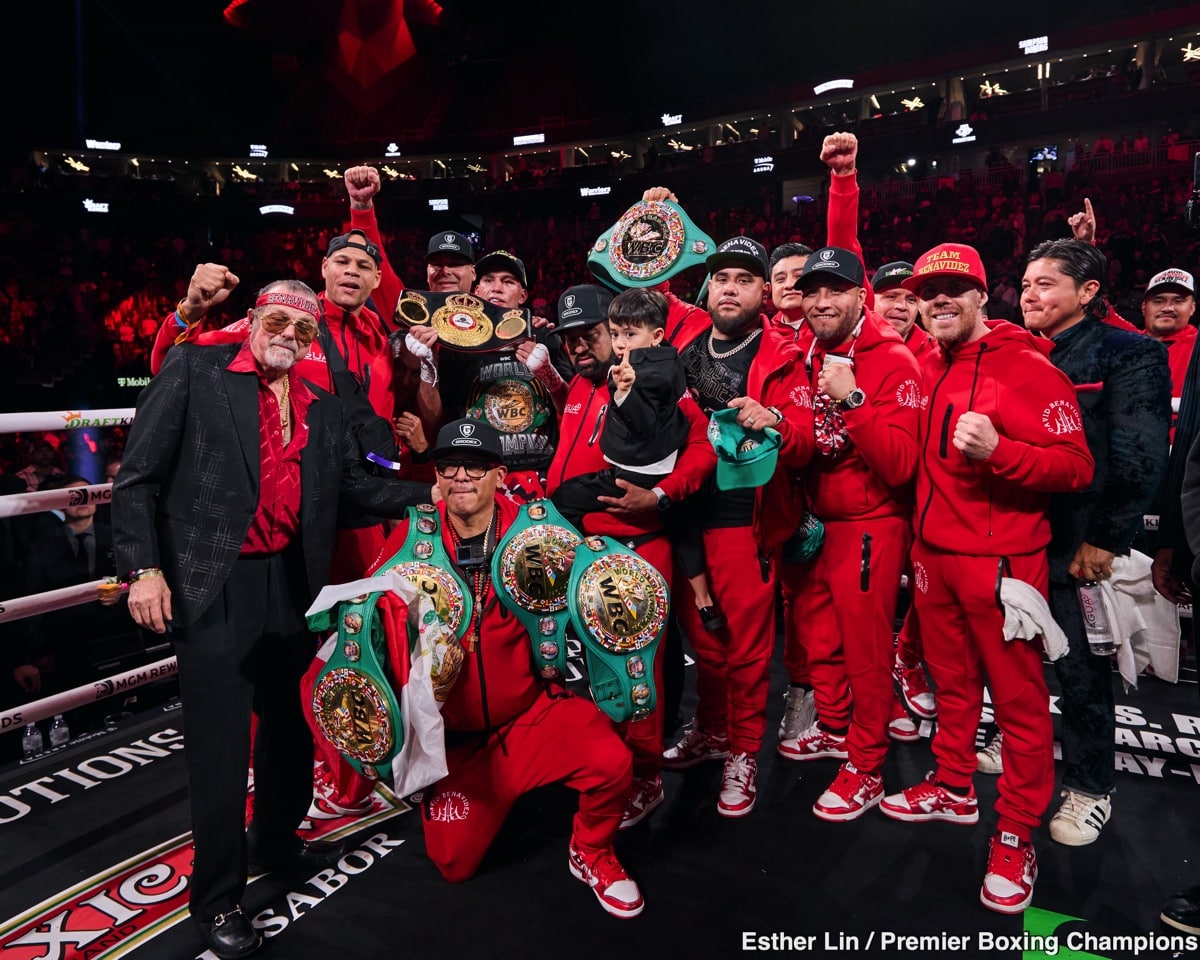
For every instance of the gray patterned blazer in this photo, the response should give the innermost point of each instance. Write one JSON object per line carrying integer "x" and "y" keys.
{"x": 188, "y": 486}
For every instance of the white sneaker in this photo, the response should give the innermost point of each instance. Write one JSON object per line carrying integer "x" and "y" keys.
{"x": 695, "y": 746}
{"x": 1080, "y": 819}
{"x": 989, "y": 759}
{"x": 738, "y": 785}
{"x": 647, "y": 796}
{"x": 800, "y": 713}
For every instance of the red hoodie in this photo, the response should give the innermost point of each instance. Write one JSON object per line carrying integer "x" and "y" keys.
{"x": 997, "y": 507}
{"x": 872, "y": 477}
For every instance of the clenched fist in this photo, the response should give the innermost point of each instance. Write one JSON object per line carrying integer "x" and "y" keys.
{"x": 362, "y": 183}
{"x": 975, "y": 436}
{"x": 839, "y": 153}
{"x": 211, "y": 283}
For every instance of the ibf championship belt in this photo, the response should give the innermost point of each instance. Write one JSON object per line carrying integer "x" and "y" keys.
{"x": 531, "y": 569}
{"x": 653, "y": 241}
{"x": 619, "y": 605}
{"x": 353, "y": 701}
{"x": 462, "y": 321}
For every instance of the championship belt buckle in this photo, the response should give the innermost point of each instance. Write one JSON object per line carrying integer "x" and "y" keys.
{"x": 463, "y": 322}
{"x": 531, "y": 569}
{"x": 619, "y": 605}
{"x": 353, "y": 702}
{"x": 652, "y": 242}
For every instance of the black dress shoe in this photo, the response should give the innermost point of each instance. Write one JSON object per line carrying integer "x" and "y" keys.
{"x": 304, "y": 856}
{"x": 1182, "y": 911}
{"x": 230, "y": 935}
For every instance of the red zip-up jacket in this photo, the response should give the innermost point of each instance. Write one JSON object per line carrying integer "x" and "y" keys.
{"x": 872, "y": 478}
{"x": 496, "y": 682}
{"x": 997, "y": 507}
{"x": 579, "y": 452}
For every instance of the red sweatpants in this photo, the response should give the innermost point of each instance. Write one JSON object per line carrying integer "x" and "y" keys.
{"x": 846, "y": 606}
{"x": 732, "y": 666}
{"x": 795, "y": 657}
{"x": 909, "y": 646}
{"x": 963, "y": 626}
{"x": 566, "y": 739}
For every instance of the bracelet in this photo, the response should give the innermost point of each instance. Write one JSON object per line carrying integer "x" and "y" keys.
{"x": 182, "y": 314}
{"x": 141, "y": 574}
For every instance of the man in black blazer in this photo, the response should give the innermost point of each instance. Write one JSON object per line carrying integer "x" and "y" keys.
{"x": 224, "y": 513}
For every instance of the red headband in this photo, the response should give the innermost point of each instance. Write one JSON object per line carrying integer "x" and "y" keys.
{"x": 290, "y": 300}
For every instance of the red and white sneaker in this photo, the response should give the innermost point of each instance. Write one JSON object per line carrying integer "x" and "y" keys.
{"x": 901, "y": 727}
{"x": 813, "y": 744}
{"x": 928, "y": 800}
{"x": 1011, "y": 872}
{"x": 849, "y": 796}
{"x": 647, "y": 797}
{"x": 738, "y": 785}
{"x": 602, "y": 871}
{"x": 913, "y": 686}
{"x": 696, "y": 746}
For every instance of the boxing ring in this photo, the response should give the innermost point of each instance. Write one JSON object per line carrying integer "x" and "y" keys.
{"x": 97, "y": 857}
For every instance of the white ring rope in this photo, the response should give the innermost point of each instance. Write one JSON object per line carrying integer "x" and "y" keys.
{"x": 73, "y": 596}
{"x": 38, "y": 501}
{"x": 35, "y": 710}
{"x": 66, "y": 419}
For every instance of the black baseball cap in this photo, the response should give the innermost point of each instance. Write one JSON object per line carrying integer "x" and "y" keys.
{"x": 584, "y": 305}
{"x": 739, "y": 252}
{"x": 832, "y": 261}
{"x": 356, "y": 239}
{"x": 452, "y": 243}
{"x": 891, "y": 275}
{"x": 472, "y": 439}
{"x": 502, "y": 260}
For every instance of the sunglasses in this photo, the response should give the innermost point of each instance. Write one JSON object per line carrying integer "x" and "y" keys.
{"x": 306, "y": 330}
{"x": 475, "y": 469}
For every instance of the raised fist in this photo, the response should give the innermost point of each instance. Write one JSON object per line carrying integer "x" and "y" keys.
{"x": 839, "y": 152}
{"x": 362, "y": 183}
{"x": 211, "y": 284}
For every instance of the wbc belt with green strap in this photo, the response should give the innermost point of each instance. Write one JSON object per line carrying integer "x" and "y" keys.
{"x": 653, "y": 241}
{"x": 619, "y": 605}
{"x": 353, "y": 701}
{"x": 530, "y": 570}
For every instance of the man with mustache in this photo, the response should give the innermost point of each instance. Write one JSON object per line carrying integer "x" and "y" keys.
{"x": 224, "y": 516}
{"x": 1167, "y": 310}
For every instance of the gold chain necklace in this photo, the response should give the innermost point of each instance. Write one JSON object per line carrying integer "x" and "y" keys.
{"x": 738, "y": 349}
{"x": 285, "y": 405}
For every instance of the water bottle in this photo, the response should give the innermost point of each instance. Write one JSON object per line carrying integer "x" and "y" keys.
{"x": 1095, "y": 620}
{"x": 31, "y": 741}
{"x": 60, "y": 733}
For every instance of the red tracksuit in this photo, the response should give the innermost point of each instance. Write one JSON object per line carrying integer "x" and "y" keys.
{"x": 846, "y": 596}
{"x": 507, "y": 732}
{"x": 578, "y": 452}
{"x": 733, "y": 665}
{"x": 978, "y": 520}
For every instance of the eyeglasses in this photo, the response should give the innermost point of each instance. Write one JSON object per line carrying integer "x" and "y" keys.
{"x": 306, "y": 330}
{"x": 475, "y": 470}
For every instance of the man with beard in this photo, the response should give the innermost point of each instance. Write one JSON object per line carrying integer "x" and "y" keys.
{"x": 1000, "y": 432}
{"x": 224, "y": 516}
{"x": 636, "y": 518}
{"x": 864, "y": 391}
{"x": 741, "y": 361}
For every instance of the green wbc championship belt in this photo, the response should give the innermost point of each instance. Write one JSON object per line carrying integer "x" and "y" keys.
{"x": 353, "y": 700}
{"x": 462, "y": 321}
{"x": 531, "y": 569}
{"x": 653, "y": 241}
{"x": 619, "y": 605}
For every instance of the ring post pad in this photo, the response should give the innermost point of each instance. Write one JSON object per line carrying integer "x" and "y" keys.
{"x": 531, "y": 571}
{"x": 619, "y": 606}
{"x": 652, "y": 242}
{"x": 463, "y": 322}
{"x": 354, "y": 704}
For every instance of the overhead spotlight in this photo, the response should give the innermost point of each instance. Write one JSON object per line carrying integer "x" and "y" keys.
{"x": 912, "y": 162}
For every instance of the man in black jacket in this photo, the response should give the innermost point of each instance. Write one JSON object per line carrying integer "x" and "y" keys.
{"x": 1123, "y": 386}
{"x": 224, "y": 513}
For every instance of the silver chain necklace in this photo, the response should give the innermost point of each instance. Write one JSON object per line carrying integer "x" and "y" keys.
{"x": 738, "y": 349}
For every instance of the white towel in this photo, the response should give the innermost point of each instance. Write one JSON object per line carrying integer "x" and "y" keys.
{"x": 1140, "y": 615}
{"x": 1027, "y": 616}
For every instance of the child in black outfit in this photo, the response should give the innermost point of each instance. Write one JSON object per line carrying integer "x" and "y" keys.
{"x": 644, "y": 430}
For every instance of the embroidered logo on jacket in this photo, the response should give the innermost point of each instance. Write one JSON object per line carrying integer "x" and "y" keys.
{"x": 909, "y": 394}
{"x": 921, "y": 577}
{"x": 1062, "y": 417}
{"x": 802, "y": 396}
{"x": 449, "y": 806}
